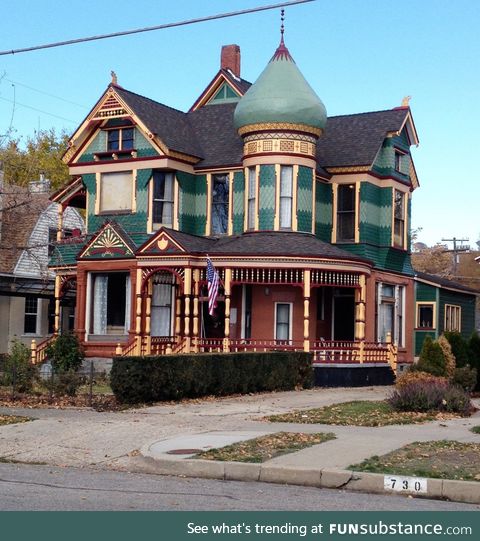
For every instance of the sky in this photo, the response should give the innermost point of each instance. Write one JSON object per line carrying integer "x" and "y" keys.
{"x": 358, "y": 55}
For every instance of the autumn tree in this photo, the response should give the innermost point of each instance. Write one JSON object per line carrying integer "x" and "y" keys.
{"x": 40, "y": 153}
{"x": 434, "y": 260}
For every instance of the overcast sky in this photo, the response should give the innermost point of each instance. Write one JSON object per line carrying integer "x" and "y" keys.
{"x": 359, "y": 55}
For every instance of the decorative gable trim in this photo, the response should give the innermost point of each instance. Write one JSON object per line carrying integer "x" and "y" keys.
{"x": 64, "y": 195}
{"x": 213, "y": 87}
{"x": 109, "y": 106}
{"x": 110, "y": 242}
{"x": 161, "y": 243}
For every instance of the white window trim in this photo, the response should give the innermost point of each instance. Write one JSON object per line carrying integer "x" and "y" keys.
{"x": 38, "y": 318}
{"x": 290, "y": 322}
{"x": 154, "y": 226}
{"x": 398, "y": 288}
{"x": 120, "y": 138}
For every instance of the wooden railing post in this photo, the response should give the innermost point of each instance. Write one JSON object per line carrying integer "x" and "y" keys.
{"x": 361, "y": 352}
{"x": 33, "y": 351}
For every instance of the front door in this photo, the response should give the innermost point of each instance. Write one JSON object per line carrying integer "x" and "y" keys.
{"x": 344, "y": 316}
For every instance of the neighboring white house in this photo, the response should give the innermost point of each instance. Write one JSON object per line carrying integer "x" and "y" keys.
{"x": 28, "y": 227}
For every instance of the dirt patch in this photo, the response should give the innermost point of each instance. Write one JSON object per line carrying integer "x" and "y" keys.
{"x": 12, "y": 419}
{"x": 24, "y": 400}
{"x": 441, "y": 459}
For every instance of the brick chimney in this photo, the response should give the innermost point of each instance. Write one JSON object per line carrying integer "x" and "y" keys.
{"x": 230, "y": 59}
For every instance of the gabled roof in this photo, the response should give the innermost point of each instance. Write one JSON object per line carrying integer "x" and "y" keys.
{"x": 351, "y": 140}
{"x": 22, "y": 211}
{"x": 444, "y": 283}
{"x": 237, "y": 84}
{"x": 171, "y": 125}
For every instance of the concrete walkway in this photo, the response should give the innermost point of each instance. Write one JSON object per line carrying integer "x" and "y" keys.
{"x": 118, "y": 440}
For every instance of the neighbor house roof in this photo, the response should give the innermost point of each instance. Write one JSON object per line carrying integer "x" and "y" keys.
{"x": 21, "y": 211}
{"x": 445, "y": 283}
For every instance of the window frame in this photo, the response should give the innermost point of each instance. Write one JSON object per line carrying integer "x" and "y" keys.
{"x": 288, "y": 197}
{"x": 121, "y": 139}
{"x": 36, "y": 314}
{"x": 399, "y": 220}
{"x": 156, "y": 225}
{"x": 226, "y": 203}
{"x": 399, "y": 158}
{"x": 290, "y": 322}
{"x": 421, "y": 304}
{"x": 340, "y": 212}
{"x": 100, "y": 197}
{"x": 399, "y": 311}
{"x": 455, "y": 322}
{"x": 251, "y": 197}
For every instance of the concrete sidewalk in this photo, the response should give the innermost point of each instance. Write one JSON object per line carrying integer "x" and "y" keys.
{"x": 140, "y": 439}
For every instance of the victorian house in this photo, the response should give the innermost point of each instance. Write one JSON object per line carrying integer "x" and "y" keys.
{"x": 304, "y": 216}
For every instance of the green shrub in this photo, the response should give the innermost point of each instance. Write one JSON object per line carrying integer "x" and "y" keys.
{"x": 459, "y": 348}
{"x": 173, "y": 377}
{"x": 18, "y": 369}
{"x": 432, "y": 359}
{"x": 450, "y": 362}
{"x": 465, "y": 377}
{"x": 65, "y": 353}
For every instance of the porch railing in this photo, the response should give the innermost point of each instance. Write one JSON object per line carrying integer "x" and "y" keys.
{"x": 265, "y": 345}
{"x": 38, "y": 351}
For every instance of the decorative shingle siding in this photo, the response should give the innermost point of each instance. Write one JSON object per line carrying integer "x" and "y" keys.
{"x": 385, "y": 161}
{"x": 323, "y": 211}
{"x": 383, "y": 257}
{"x": 409, "y": 224}
{"x": 266, "y": 204}
{"x": 375, "y": 214}
{"x": 304, "y": 199}
{"x": 238, "y": 211}
{"x": 192, "y": 213}
{"x": 99, "y": 144}
{"x": 467, "y": 305}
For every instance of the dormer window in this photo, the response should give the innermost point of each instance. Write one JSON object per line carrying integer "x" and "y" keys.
{"x": 120, "y": 139}
{"x": 399, "y": 159}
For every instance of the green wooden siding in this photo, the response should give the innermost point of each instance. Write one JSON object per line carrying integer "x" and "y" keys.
{"x": 192, "y": 212}
{"x": 304, "y": 199}
{"x": 323, "y": 211}
{"x": 266, "y": 203}
{"x": 384, "y": 258}
{"x": 385, "y": 161}
{"x": 467, "y": 305}
{"x": 238, "y": 211}
{"x": 375, "y": 214}
{"x": 424, "y": 293}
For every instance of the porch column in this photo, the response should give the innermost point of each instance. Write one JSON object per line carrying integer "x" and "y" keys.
{"x": 196, "y": 293}
{"x": 178, "y": 308}
{"x": 360, "y": 298}
{"x": 60, "y": 222}
{"x": 227, "y": 289}
{"x": 138, "y": 319}
{"x": 306, "y": 309}
{"x": 148, "y": 319}
{"x": 56, "y": 325}
{"x": 81, "y": 305}
{"x": 188, "y": 293}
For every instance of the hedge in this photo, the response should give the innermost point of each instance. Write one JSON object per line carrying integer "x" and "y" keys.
{"x": 173, "y": 377}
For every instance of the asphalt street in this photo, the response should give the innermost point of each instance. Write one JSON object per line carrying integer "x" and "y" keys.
{"x": 45, "y": 488}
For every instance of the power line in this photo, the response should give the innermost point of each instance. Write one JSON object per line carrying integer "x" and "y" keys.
{"x": 39, "y": 110}
{"x": 46, "y": 93}
{"x": 158, "y": 27}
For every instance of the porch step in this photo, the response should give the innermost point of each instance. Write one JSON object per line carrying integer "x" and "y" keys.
{"x": 353, "y": 375}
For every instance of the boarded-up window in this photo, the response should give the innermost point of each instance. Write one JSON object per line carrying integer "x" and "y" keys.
{"x": 116, "y": 191}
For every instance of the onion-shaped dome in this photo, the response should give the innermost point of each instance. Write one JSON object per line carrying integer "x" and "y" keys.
{"x": 281, "y": 95}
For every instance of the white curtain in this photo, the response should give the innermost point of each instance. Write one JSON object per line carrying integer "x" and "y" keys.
{"x": 100, "y": 288}
{"x": 161, "y": 310}
{"x": 286, "y": 186}
{"x": 128, "y": 294}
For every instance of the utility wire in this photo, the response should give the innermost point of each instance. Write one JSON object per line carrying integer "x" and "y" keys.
{"x": 46, "y": 93}
{"x": 158, "y": 27}
{"x": 39, "y": 110}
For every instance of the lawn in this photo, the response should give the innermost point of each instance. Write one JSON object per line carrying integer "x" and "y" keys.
{"x": 265, "y": 447}
{"x": 475, "y": 429}
{"x": 358, "y": 413}
{"x": 441, "y": 459}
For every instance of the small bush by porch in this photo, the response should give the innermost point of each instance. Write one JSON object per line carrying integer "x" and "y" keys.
{"x": 173, "y": 377}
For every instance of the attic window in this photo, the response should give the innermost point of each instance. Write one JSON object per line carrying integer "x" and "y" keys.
{"x": 120, "y": 139}
{"x": 399, "y": 161}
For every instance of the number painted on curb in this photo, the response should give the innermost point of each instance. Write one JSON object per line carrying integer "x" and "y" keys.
{"x": 399, "y": 483}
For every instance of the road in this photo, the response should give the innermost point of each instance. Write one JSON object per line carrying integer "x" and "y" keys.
{"x": 27, "y": 487}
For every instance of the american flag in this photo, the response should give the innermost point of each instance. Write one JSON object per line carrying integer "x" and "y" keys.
{"x": 213, "y": 283}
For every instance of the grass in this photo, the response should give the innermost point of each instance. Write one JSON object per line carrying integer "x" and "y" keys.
{"x": 357, "y": 413}
{"x": 12, "y": 419}
{"x": 440, "y": 459}
{"x": 475, "y": 429}
{"x": 265, "y": 447}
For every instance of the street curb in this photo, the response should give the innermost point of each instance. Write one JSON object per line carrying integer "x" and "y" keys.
{"x": 455, "y": 491}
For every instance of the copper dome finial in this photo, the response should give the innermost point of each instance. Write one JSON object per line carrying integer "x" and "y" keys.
{"x": 282, "y": 52}
{"x": 282, "y": 26}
